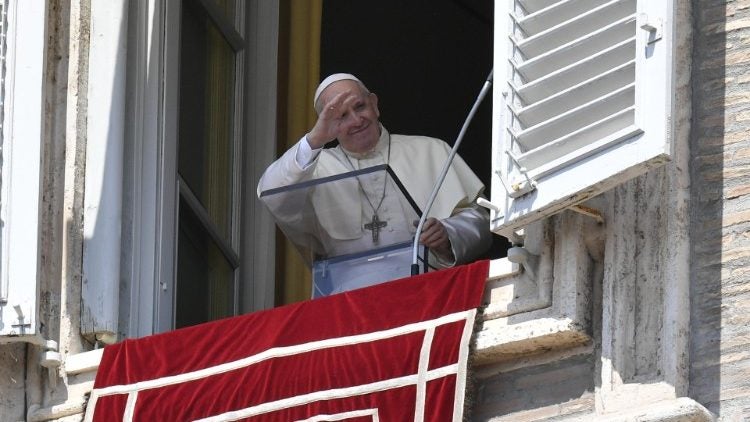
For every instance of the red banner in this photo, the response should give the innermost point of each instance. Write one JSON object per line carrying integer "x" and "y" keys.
{"x": 392, "y": 352}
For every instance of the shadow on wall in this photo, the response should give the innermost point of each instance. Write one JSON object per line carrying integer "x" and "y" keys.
{"x": 710, "y": 73}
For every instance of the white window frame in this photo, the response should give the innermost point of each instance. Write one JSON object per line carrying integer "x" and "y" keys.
{"x": 22, "y": 146}
{"x": 151, "y": 193}
{"x": 173, "y": 43}
{"x": 588, "y": 175}
{"x": 105, "y": 138}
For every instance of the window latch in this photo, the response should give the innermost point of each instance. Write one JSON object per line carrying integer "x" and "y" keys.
{"x": 654, "y": 27}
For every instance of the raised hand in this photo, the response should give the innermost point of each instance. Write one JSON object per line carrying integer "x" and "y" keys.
{"x": 329, "y": 120}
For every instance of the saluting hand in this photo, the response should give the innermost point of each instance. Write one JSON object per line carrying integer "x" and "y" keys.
{"x": 326, "y": 128}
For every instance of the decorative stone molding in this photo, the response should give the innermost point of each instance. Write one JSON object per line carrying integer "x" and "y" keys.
{"x": 546, "y": 305}
{"x": 79, "y": 371}
{"x": 677, "y": 410}
{"x": 682, "y": 409}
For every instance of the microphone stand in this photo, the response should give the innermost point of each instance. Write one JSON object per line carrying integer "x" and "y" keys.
{"x": 444, "y": 172}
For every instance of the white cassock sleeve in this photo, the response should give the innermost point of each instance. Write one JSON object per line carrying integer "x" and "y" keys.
{"x": 294, "y": 166}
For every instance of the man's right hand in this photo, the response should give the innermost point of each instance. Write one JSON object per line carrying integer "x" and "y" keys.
{"x": 326, "y": 129}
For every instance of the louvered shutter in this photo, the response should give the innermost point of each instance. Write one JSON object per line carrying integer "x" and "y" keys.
{"x": 22, "y": 109}
{"x": 582, "y": 101}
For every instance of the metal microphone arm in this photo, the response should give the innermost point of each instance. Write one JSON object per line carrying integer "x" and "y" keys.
{"x": 444, "y": 172}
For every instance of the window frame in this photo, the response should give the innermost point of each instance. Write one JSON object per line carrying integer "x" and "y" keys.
{"x": 151, "y": 193}
{"x": 233, "y": 31}
{"x": 170, "y": 179}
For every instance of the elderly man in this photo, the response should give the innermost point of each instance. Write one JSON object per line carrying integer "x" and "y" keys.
{"x": 457, "y": 231}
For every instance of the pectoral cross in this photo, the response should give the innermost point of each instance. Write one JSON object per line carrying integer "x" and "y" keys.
{"x": 375, "y": 225}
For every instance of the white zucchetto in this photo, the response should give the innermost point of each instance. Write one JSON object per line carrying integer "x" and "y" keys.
{"x": 331, "y": 79}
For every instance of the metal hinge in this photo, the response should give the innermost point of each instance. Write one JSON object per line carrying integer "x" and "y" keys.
{"x": 50, "y": 357}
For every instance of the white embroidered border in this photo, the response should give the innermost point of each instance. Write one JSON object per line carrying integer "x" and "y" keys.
{"x": 424, "y": 366}
{"x": 345, "y": 415}
{"x": 130, "y": 407}
{"x": 337, "y": 393}
{"x": 463, "y": 360}
{"x": 132, "y": 389}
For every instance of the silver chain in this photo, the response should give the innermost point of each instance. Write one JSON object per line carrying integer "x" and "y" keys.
{"x": 385, "y": 180}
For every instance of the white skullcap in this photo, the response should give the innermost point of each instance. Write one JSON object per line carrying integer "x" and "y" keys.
{"x": 331, "y": 79}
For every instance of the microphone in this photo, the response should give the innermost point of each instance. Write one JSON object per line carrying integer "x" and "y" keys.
{"x": 444, "y": 172}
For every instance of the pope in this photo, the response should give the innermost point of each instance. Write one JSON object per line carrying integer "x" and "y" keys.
{"x": 456, "y": 230}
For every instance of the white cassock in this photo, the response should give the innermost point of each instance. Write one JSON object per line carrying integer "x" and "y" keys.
{"x": 416, "y": 161}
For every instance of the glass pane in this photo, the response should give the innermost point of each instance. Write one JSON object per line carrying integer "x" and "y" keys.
{"x": 205, "y": 279}
{"x": 227, "y": 6}
{"x": 206, "y": 110}
{"x": 346, "y": 246}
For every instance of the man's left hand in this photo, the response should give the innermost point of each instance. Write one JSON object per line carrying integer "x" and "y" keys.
{"x": 435, "y": 237}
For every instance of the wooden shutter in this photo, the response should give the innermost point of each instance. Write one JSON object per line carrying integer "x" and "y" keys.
{"x": 582, "y": 101}
{"x": 23, "y": 88}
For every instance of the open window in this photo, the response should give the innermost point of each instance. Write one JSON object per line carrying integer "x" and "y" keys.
{"x": 582, "y": 101}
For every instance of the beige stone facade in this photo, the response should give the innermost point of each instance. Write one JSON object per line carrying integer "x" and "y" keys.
{"x": 643, "y": 316}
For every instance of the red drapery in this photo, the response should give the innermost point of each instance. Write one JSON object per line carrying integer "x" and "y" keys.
{"x": 391, "y": 352}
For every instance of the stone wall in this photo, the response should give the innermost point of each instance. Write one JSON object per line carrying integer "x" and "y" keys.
{"x": 720, "y": 264}
{"x": 12, "y": 382}
{"x": 561, "y": 386}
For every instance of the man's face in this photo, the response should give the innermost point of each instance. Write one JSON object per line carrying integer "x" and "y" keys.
{"x": 358, "y": 129}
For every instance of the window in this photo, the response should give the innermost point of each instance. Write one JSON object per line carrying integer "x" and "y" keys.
{"x": 199, "y": 129}
{"x": 207, "y": 163}
{"x": 582, "y": 101}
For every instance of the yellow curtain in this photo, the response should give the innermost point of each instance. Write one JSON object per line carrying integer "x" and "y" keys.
{"x": 299, "y": 73}
{"x": 218, "y": 152}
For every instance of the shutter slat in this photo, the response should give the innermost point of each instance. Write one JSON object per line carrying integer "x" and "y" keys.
{"x": 576, "y": 27}
{"x": 577, "y": 95}
{"x": 577, "y": 118}
{"x": 576, "y": 73}
{"x": 532, "y": 6}
{"x": 578, "y": 50}
{"x": 556, "y": 154}
{"x": 554, "y": 15}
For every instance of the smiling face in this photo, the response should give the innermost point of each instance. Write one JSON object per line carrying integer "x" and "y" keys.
{"x": 358, "y": 129}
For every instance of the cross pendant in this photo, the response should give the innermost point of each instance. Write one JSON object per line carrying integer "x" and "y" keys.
{"x": 375, "y": 225}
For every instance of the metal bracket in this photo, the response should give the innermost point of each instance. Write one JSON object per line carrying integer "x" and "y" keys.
{"x": 529, "y": 262}
{"x": 21, "y": 317}
{"x": 49, "y": 358}
{"x": 519, "y": 188}
{"x": 654, "y": 27}
{"x": 589, "y": 212}
{"x": 490, "y": 206}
